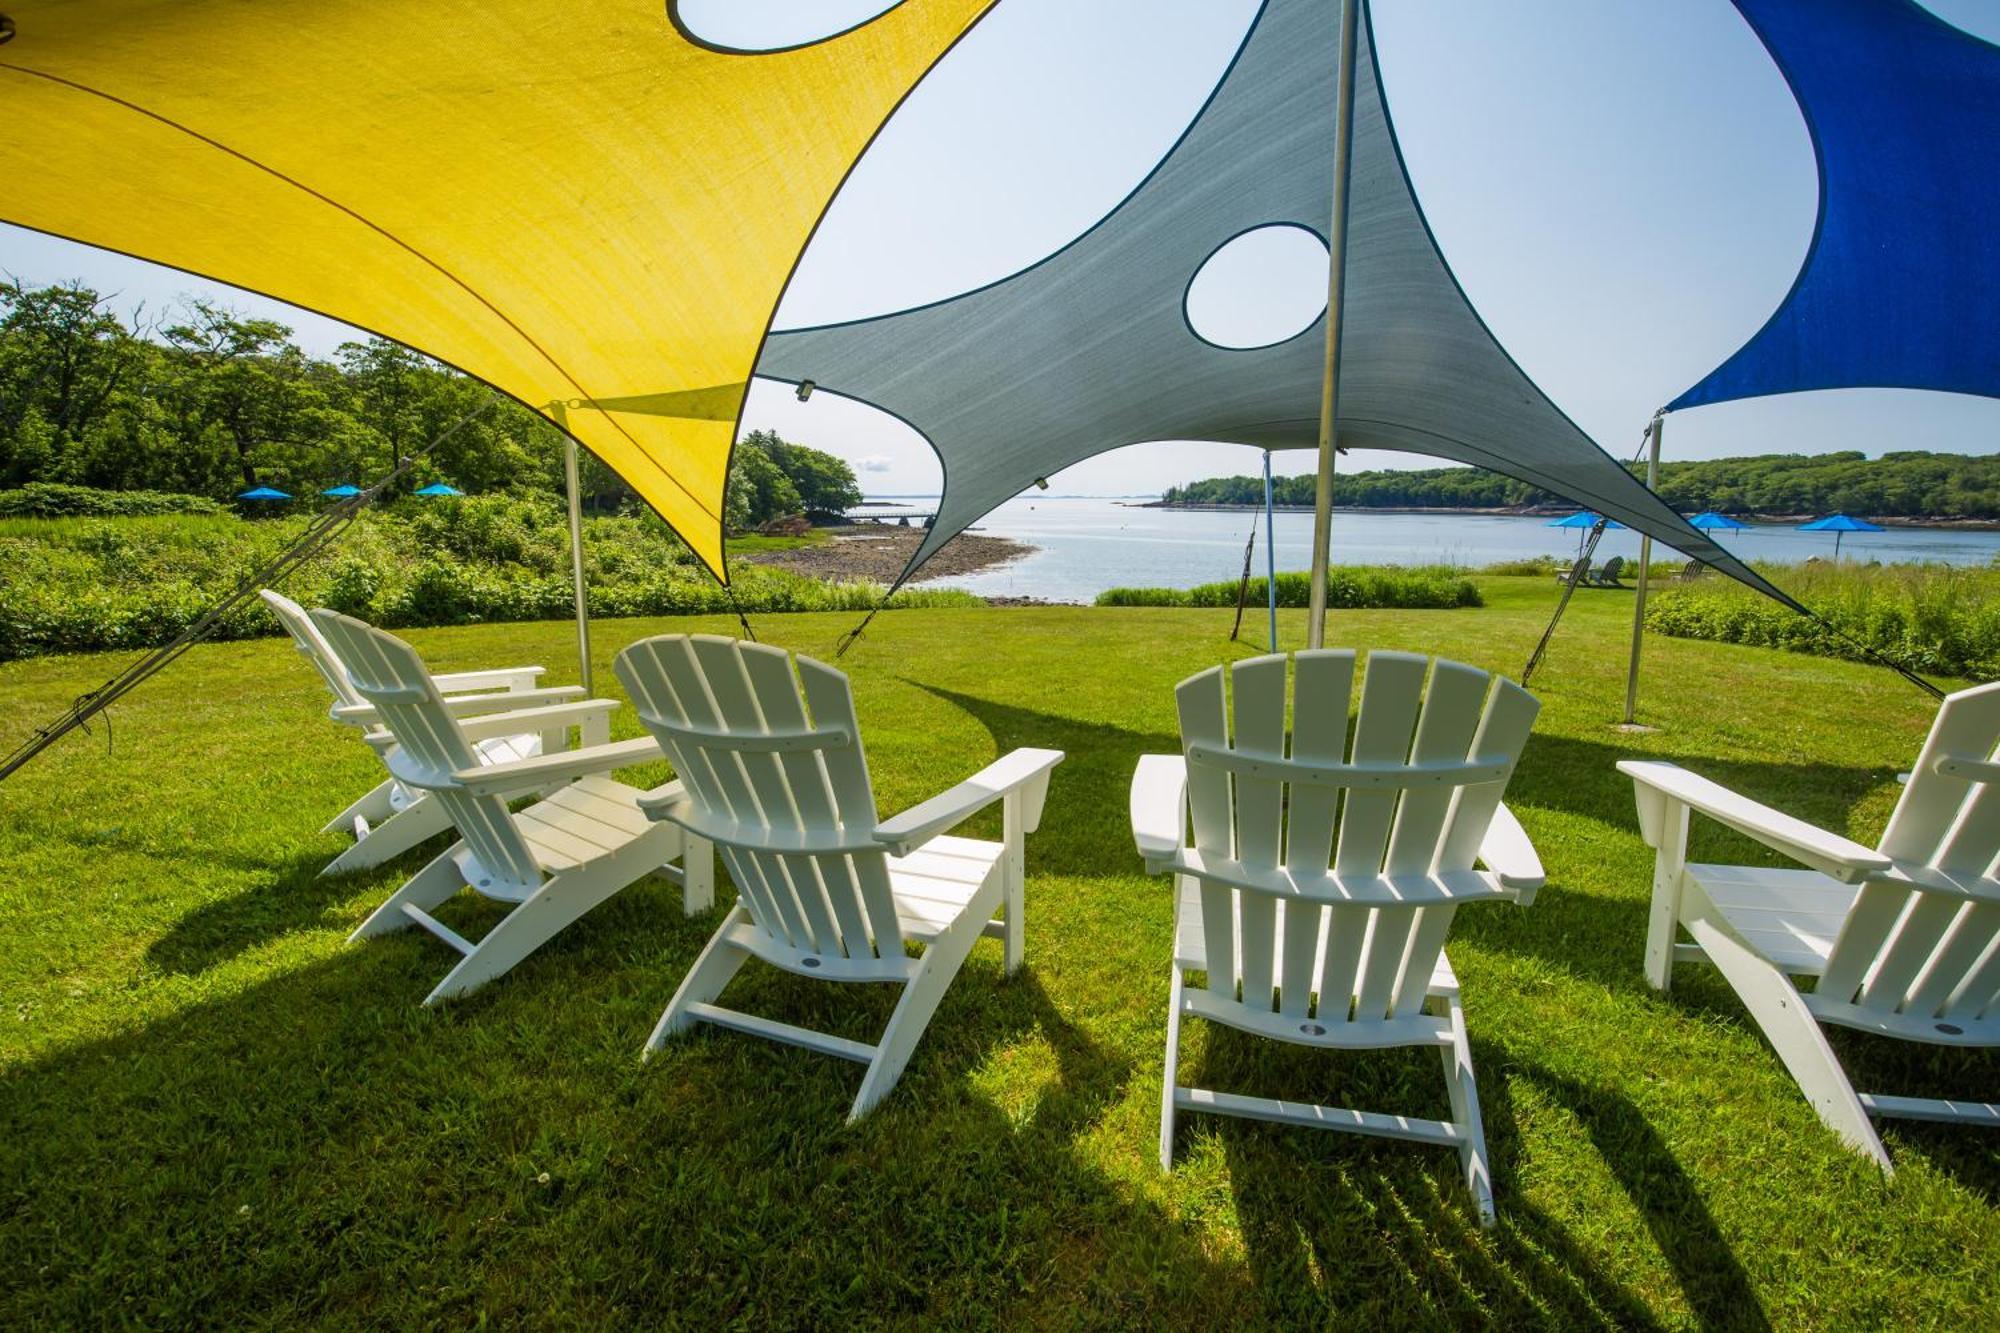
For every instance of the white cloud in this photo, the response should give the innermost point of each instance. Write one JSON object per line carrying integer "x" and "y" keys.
{"x": 877, "y": 463}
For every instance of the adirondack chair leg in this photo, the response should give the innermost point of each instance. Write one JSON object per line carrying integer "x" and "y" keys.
{"x": 1014, "y": 862}
{"x": 407, "y": 828}
{"x": 1171, "y": 1075}
{"x": 720, "y": 961}
{"x": 942, "y": 958}
{"x": 1663, "y": 923}
{"x": 435, "y": 883}
{"x": 1465, "y": 1112}
{"x": 697, "y": 875}
{"x": 559, "y": 903}
{"x": 377, "y": 805}
{"x": 1792, "y": 1031}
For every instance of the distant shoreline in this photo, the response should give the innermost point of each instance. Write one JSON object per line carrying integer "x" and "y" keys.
{"x": 1543, "y": 511}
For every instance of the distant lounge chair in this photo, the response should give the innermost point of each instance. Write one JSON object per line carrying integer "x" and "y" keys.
{"x": 1902, "y": 940}
{"x": 1607, "y": 574}
{"x": 1691, "y": 571}
{"x": 1331, "y": 913}
{"x": 1578, "y": 572}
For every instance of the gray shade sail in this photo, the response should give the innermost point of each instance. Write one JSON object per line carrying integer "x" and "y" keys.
{"x": 1090, "y": 349}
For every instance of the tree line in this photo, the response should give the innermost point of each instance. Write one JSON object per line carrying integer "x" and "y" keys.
{"x": 1908, "y": 484}
{"x": 202, "y": 400}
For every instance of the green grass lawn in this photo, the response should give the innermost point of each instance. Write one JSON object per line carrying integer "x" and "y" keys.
{"x": 212, "y": 1110}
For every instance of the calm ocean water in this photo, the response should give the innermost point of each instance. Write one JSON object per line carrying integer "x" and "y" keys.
{"x": 1089, "y": 544}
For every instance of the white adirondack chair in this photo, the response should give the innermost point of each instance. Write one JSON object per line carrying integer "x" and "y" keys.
{"x": 557, "y": 858}
{"x": 391, "y": 818}
{"x": 1318, "y": 921}
{"x": 775, "y": 776}
{"x": 1902, "y": 939}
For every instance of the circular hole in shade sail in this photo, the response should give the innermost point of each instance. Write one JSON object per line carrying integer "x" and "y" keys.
{"x": 1259, "y": 288}
{"x": 771, "y": 25}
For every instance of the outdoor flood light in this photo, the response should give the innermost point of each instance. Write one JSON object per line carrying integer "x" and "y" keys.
{"x": 1041, "y": 483}
{"x": 805, "y": 390}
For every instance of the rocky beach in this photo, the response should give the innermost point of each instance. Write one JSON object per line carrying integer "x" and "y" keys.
{"x": 880, "y": 552}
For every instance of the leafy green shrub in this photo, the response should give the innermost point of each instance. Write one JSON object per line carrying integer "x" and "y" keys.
{"x": 89, "y": 584}
{"x": 1350, "y": 587}
{"x": 1935, "y": 618}
{"x": 46, "y": 499}
{"x": 1535, "y": 566}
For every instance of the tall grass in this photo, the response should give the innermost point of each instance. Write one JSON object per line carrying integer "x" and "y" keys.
{"x": 1937, "y": 618}
{"x": 83, "y": 585}
{"x": 1350, "y": 587}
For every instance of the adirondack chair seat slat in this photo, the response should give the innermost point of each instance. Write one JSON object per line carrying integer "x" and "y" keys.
{"x": 770, "y": 757}
{"x": 1903, "y": 938}
{"x": 1792, "y": 916}
{"x": 584, "y": 840}
{"x": 1312, "y": 904}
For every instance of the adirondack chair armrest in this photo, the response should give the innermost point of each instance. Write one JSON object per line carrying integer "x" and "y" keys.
{"x": 1025, "y": 770}
{"x": 1657, "y": 784}
{"x": 1159, "y": 809}
{"x": 499, "y": 678}
{"x": 470, "y": 705}
{"x": 521, "y": 775}
{"x": 1511, "y": 857}
{"x": 590, "y": 714}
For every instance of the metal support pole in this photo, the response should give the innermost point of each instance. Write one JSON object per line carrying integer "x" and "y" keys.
{"x": 580, "y": 590}
{"x": 1270, "y": 554}
{"x": 1336, "y": 273}
{"x": 1645, "y": 567}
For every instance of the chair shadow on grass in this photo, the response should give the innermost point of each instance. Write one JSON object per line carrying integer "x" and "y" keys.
{"x": 1306, "y": 1199}
{"x": 291, "y": 896}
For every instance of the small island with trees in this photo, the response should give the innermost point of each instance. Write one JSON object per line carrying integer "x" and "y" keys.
{"x": 1908, "y": 487}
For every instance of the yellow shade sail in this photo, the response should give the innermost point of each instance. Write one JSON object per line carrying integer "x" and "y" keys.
{"x": 574, "y": 202}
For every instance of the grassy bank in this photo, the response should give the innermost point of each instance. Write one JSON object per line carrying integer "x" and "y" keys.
{"x": 1349, "y": 587}
{"x": 1932, "y": 618}
{"x": 86, "y": 584}
{"x": 218, "y": 1112}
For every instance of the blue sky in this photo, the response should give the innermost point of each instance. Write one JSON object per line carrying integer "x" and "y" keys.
{"x": 1624, "y": 187}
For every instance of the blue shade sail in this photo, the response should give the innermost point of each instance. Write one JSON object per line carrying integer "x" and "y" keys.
{"x": 262, "y": 493}
{"x": 1709, "y": 521}
{"x": 342, "y": 492}
{"x": 1901, "y": 285}
{"x": 439, "y": 488}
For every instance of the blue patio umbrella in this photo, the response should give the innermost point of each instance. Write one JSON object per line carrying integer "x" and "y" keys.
{"x": 439, "y": 488}
{"x": 341, "y": 492}
{"x": 1839, "y": 525}
{"x": 262, "y": 493}
{"x": 1582, "y": 520}
{"x": 1710, "y": 520}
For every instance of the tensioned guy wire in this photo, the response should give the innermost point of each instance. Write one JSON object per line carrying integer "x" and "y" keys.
{"x": 318, "y": 534}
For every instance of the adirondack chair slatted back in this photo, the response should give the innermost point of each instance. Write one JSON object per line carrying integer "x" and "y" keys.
{"x": 388, "y": 674}
{"x": 306, "y": 637}
{"x": 1368, "y": 809}
{"x": 1932, "y": 954}
{"x": 773, "y": 764}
